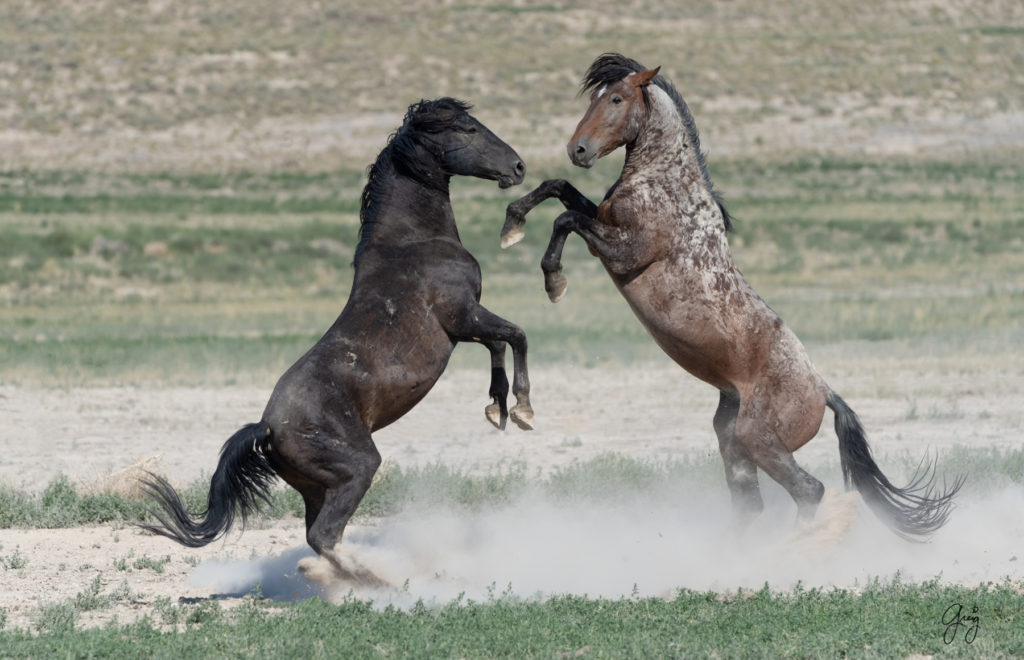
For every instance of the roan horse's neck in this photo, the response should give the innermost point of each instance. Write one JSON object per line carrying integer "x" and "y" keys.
{"x": 664, "y": 155}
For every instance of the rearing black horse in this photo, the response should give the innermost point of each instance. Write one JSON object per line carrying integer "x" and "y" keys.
{"x": 415, "y": 294}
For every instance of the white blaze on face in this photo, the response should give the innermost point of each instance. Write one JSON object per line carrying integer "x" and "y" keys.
{"x": 601, "y": 92}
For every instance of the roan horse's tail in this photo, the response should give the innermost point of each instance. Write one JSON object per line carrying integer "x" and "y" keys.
{"x": 242, "y": 479}
{"x": 912, "y": 511}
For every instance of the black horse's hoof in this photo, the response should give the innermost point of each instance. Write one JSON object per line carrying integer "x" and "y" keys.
{"x": 523, "y": 417}
{"x": 496, "y": 416}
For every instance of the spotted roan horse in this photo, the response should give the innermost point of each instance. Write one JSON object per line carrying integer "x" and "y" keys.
{"x": 660, "y": 232}
{"x": 415, "y": 294}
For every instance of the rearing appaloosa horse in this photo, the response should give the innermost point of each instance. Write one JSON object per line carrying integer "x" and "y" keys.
{"x": 415, "y": 294}
{"x": 661, "y": 234}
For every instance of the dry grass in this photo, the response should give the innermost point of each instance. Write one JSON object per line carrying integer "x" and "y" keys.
{"x": 263, "y": 85}
{"x": 123, "y": 481}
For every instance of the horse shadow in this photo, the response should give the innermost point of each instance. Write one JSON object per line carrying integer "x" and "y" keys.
{"x": 275, "y": 578}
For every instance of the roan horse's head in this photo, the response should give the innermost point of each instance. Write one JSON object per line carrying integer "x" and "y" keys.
{"x": 461, "y": 144}
{"x": 613, "y": 119}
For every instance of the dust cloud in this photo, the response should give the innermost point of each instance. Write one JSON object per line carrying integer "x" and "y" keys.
{"x": 651, "y": 544}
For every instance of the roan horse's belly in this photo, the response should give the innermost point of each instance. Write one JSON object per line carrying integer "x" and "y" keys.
{"x": 731, "y": 339}
{"x": 709, "y": 321}
{"x": 687, "y": 330}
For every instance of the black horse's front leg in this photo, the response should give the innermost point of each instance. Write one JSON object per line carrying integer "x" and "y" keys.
{"x": 565, "y": 192}
{"x": 497, "y": 411}
{"x": 478, "y": 324}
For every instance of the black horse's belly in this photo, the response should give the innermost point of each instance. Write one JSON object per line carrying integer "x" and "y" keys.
{"x": 386, "y": 353}
{"x": 403, "y": 374}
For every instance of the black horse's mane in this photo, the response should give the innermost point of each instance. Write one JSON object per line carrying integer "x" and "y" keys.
{"x": 612, "y": 67}
{"x": 405, "y": 153}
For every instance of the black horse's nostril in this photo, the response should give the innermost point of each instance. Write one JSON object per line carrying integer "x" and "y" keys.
{"x": 520, "y": 168}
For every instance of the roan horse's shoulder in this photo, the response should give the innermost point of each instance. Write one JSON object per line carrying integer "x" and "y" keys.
{"x": 624, "y": 204}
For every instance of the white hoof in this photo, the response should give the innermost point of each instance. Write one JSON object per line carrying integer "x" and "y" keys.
{"x": 511, "y": 237}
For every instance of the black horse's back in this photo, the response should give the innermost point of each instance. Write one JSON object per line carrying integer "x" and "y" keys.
{"x": 242, "y": 480}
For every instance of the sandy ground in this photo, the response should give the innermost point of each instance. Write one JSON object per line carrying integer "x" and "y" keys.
{"x": 659, "y": 543}
{"x": 655, "y": 412}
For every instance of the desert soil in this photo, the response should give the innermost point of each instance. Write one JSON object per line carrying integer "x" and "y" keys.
{"x": 655, "y": 413}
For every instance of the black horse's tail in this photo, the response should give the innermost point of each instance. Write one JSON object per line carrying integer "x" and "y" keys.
{"x": 242, "y": 479}
{"x": 915, "y": 510}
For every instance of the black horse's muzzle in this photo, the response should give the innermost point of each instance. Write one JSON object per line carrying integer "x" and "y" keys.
{"x": 515, "y": 178}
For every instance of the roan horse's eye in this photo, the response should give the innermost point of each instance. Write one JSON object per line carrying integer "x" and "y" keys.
{"x": 616, "y": 99}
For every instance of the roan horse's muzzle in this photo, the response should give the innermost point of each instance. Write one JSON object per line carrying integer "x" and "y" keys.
{"x": 581, "y": 152}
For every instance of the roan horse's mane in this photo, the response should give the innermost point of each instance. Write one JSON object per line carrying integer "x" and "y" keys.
{"x": 402, "y": 155}
{"x": 612, "y": 67}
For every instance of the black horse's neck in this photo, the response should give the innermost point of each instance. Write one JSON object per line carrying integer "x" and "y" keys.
{"x": 418, "y": 163}
{"x": 404, "y": 204}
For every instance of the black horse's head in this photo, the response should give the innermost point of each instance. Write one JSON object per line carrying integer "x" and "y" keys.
{"x": 441, "y": 137}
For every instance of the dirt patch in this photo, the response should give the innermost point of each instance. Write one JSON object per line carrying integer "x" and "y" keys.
{"x": 656, "y": 412}
{"x": 662, "y": 541}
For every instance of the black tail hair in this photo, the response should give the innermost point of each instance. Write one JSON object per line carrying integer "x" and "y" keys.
{"x": 241, "y": 481}
{"x": 914, "y": 511}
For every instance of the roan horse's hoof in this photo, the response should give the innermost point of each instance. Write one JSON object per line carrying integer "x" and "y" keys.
{"x": 494, "y": 415}
{"x": 555, "y": 284}
{"x": 522, "y": 416}
{"x": 511, "y": 237}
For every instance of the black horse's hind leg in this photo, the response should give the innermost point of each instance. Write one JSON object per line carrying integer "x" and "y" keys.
{"x": 515, "y": 215}
{"x": 740, "y": 469}
{"x": 479, "y": 324}
{"x": 497, "y": 411}
{"x": 332, "y": 469}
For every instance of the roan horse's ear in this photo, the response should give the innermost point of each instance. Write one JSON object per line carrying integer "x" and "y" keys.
{"x": 644, "y": 78}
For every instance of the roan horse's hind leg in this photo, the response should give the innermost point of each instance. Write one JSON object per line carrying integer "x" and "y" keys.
{"x": 763, "y": 443}
{"x": 740, "y": 469}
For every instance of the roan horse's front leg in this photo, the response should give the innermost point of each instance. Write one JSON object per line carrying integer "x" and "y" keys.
{"x": 515, "y": 215}
{"x": 478, "y": 324}
{"x": 619, "y": 254}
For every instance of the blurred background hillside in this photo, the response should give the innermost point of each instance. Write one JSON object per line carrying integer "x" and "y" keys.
{"x": 307, "y": 85}
{"x": 180, "y": 180}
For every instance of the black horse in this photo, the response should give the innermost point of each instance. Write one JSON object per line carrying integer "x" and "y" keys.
{"x": 415, "y": 294}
